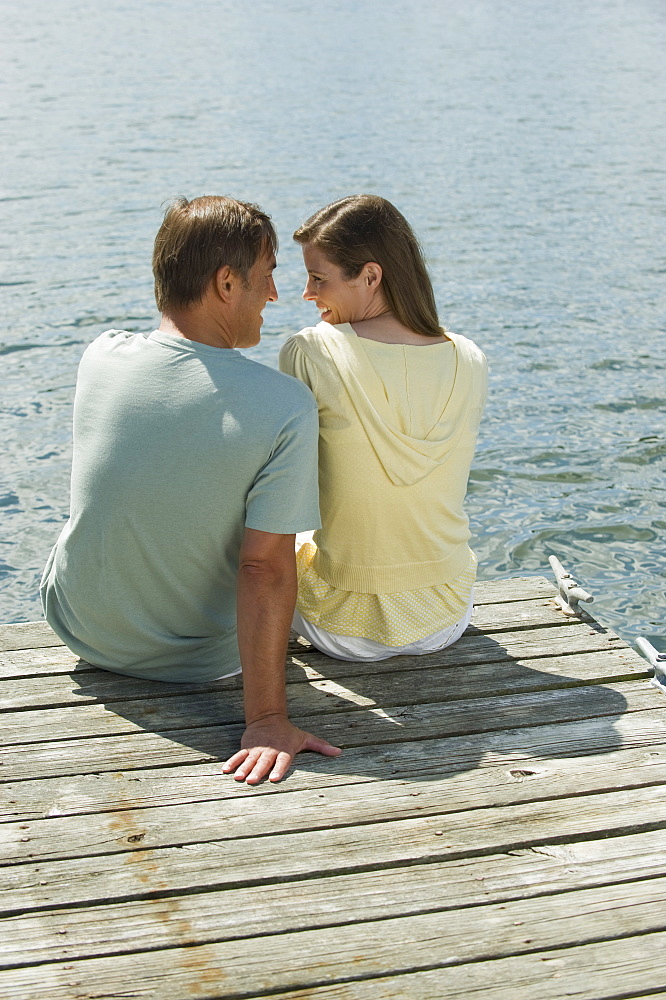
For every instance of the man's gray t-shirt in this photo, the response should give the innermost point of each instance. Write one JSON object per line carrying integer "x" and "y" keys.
{"x": 178, "y": 447}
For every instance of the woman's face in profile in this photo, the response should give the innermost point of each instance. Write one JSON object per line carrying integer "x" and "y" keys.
{"x": 338, "y": 300}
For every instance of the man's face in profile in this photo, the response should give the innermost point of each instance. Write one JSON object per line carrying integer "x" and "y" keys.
{"x": 252, "y": 298}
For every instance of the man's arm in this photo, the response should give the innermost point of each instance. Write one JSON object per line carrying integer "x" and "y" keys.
{"x": 266, "y": 598}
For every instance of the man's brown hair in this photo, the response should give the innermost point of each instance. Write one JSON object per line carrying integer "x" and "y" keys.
{"x": 198, "y": 237}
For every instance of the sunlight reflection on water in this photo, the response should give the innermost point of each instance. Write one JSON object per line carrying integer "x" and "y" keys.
{"x": 525, "y": 151}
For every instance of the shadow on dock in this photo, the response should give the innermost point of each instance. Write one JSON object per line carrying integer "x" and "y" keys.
{"x": 407, "y": 717}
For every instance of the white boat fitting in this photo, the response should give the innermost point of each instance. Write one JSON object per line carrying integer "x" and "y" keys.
{"x": 653, "y": 656}
{"x": 570, "y": 592}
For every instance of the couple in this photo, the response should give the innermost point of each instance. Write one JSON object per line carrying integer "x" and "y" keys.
{"x": 194, "y": 468}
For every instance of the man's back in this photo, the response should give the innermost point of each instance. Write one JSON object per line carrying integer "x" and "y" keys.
{"x": 178, "y": 446}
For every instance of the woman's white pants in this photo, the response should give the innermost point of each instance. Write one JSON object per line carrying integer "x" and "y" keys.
{"x": 351, "y": 647}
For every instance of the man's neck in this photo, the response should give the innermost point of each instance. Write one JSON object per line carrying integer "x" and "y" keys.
{"x": 196, "y": 324}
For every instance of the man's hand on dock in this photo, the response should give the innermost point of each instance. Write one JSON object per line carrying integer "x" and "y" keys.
{"x": 268, "y": 747}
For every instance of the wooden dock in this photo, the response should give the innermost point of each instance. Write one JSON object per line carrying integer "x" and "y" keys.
{"x": 495, "y": 828}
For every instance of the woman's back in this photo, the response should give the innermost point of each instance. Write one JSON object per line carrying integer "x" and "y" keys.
{"x": 399, "y": 407}
{"x": 416, "y": 379}
{"x": 398, "y": 425}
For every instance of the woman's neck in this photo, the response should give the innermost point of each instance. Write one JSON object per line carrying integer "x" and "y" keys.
{"x": 387, "y": 329}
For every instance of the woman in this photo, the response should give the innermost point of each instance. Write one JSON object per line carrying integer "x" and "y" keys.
{"x": 400, "y": 401}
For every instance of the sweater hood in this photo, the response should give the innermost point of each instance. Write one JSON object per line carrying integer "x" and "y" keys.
{"x": 406, "y": 459}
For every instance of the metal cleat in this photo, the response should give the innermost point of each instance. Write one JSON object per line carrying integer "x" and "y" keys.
{"x": 570, "y": 593}
{"x": 656, "y": 659}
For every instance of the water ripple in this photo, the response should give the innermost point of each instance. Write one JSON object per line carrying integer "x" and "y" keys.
{"x": 526, "y": 163}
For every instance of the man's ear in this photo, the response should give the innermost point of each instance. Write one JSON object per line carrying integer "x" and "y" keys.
{"x": 372, "y": 275}
{"x": 224, "y": 281}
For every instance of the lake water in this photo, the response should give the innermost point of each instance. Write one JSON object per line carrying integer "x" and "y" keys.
{"x": 525, "y": 142}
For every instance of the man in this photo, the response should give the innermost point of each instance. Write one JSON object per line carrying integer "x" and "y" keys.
{"x": 193, "y": 468}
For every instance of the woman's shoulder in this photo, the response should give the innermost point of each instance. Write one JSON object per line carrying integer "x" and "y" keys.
{"x": 304, "y": 355}
{"x": 315, "y": 334}
{"x": 467, "y": 348}
{"x": 311, "y": 340}
{"x": 297, "y": 344}
{"x": 305, "y": 336}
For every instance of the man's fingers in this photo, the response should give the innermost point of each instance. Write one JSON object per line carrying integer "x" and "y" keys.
{"x": 250, "y": 765}
{"x": 233, "y": 762}
{"x": 282, "y": 765}
{"x": 321, "y": 746}
{"x": 262, "y": 766}
{"x": 242, "y": 763}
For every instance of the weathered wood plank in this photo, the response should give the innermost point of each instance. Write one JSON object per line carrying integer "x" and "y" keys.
{"x": 137, "y": 873}
{"x": 85, "y": 687}
{"x": 138, "y": 751}
{"x": 541, "y": 613}
{"x": 473, "y": 770}
{"x": 378, "y": 722}
{"x": 219, "y": 818}
{"x": 358, "y": 950}
{"x": 327, "y": 902}
{"x": 475, "y": 647}
{"x": 27, "y": 635}
{"x": 60, "y": 690}
{"x": 597, "y": 971}
{"x": 21, "y": 663}
{"x": 517, "y": 588}
{"x": 396, "y": 723}
{"x": 144, "y": 749}
{"x": 532, "y": 614}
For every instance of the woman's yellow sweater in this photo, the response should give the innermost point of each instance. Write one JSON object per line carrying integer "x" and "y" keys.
{"x": 398, "y": 425}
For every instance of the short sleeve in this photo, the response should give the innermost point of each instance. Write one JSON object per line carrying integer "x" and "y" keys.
{"x": 480, "y": 392}
{"x": 284, "y": 497}
{"x": 294, "y": 361}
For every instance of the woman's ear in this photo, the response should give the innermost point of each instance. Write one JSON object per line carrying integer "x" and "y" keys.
{"x": 372, "y": 275}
